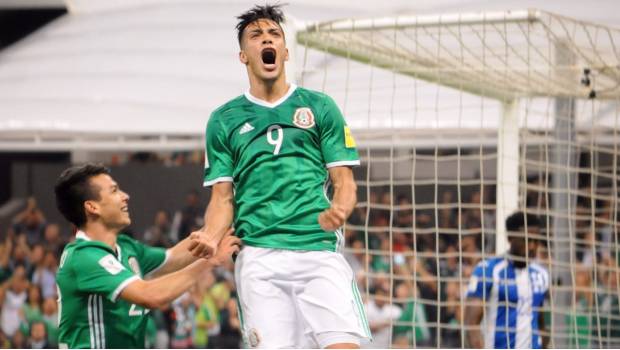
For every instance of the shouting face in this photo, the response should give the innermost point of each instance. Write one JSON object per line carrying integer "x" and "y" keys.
{"x": 263, "y": 50}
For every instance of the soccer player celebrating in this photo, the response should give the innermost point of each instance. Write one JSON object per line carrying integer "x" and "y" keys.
{"x": 102, "y": 295}
{"x": 513, "y": 288}
{"x": 280, "y": 146}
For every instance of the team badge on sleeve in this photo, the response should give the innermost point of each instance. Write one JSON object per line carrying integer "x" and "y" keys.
{"x": 303, "y": 118}
{"x": 110, "y": 264}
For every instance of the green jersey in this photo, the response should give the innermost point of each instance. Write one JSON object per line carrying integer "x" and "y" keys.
{"x": 90, "y": 279}
{"x": 277, "y": 156}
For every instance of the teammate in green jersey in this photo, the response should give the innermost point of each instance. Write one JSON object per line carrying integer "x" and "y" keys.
{"x": 280, "y": 146}
{"x": 103, "y": 298}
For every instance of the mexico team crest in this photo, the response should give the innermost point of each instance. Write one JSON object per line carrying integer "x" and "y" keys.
{"x": 303, "y": 118}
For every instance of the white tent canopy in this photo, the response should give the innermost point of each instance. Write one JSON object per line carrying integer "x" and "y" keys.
{"x": 147, "y": 73}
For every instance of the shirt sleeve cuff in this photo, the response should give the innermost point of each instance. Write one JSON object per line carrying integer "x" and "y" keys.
{"x": 343, "y": 163}
{"x": 122, "y": 286}
{"x": 219, "y": 179}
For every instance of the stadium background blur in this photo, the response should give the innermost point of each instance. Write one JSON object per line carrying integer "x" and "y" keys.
{"x": 167, "y": 202}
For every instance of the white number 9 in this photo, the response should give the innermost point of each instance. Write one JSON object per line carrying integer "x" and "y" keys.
{"x": 278, "y": 141}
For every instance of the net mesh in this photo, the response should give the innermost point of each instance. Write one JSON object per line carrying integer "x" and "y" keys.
{"x": 429, "y": 98}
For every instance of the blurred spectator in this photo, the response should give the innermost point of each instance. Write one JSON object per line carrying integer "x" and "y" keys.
{"x": 449, "y": 266}
{"x": 578, "y": 321}
{"x": 20, "y": 255}
{"x": 381, "y": 261}
{"x": 404, "y": 215}
{"x": 144, "y": 157}
{"x": 54, "y": 242}
{"x": 50, "y": 317}
{"x": 381, "y": 315}
{"x": 45, "y": 275}
{"x": 31, "y": 310}
{"x": 207, "y": 320}
{"x": 451, "y": 317}
{"x": 411, "y": 328}
{"x": 183, "y": 322}
{"x": 30, "y": 222}
{"x": 230, "y": 334}
{"x": 355, "y": 256}
{"x": 159, "y": 234}
{"x": 190, "y": 218}
{"x": 447, "y": 214}
{"x": 606, "y": 325}
{"x": 18, "y": 340}
{"x": 15, "y": 295}
{"x": 38, "y": 336}
{"x": 5, "y": 257}
{"x": 37, "y": 255}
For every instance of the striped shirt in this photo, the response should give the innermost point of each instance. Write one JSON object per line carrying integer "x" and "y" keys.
{"x": 513, "y": 298}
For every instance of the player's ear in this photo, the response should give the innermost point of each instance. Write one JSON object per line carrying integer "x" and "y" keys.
{"x": 243, "y": 57}
{"x": 91, "y": 207}
{"x": 286, "y": 54}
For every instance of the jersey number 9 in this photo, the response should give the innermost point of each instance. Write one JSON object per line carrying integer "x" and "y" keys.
{"x": 277, "y": 142}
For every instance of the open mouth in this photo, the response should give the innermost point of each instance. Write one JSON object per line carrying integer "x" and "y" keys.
{"x": 125, "y": 209}
{"x": 269, "y": 56}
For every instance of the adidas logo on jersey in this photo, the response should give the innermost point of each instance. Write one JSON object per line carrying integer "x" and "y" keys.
{"x": 246, "y": 128}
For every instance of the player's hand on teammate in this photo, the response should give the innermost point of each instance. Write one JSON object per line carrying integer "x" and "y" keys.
{"x": 228, "y": 246}
{"x": 203, "y": 245}
{"x": 332, "y": 218}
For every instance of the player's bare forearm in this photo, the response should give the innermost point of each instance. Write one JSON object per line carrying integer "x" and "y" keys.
{"x": 345, "y": 198}
{"x": 160, "y": 291}
{"x": 473, "y": 317}
{"x": 179, "y": 257}
{"x": 218, "y": 219}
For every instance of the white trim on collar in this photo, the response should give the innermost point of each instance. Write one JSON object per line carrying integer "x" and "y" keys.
{"x": 82, "y": 235}
{"x": 258, "y": 101}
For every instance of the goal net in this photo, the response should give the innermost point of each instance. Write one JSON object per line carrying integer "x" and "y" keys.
{"x": 461, "y": 120}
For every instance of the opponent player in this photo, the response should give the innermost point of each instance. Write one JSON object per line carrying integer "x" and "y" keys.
{"x": 102, "y": 296}
{"x": 514, "y": 288}
{"x": 279, "y": 145}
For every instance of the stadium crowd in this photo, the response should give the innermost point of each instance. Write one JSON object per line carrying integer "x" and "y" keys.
{"x": 411, "y": 264}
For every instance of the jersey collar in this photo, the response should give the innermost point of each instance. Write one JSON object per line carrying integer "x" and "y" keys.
{"x": 258, "y": 101}
{"x": 82, "y": 235}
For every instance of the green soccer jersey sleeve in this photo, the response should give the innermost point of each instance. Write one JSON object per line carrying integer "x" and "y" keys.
{"x": 337, "y": 143}
{"x": 218, "y": 156}
{"x": 150, "y": 258}
{"x": 99, "y": 271}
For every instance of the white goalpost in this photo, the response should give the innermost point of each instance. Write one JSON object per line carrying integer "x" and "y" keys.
{"x": 461, "y": 120}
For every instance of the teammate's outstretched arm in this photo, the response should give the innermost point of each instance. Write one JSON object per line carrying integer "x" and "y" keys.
{"x": 160, "y": 291}
{"x": 345, "y": 197}
{"x": 473, "y": 316}
{"x": 179, "y": 257}
{"x": 218, "y": 219}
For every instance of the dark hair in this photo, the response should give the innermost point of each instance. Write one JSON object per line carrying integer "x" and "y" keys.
{"x": 270, "y": 12}
{"x": 73, "y": 188}
{"x": 518, "y": 220}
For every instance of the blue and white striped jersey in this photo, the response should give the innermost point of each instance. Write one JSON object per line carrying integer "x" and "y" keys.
{"x": 513, "y": 299}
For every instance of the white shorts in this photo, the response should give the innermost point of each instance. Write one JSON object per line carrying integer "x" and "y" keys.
{"x": 298, "y": 299}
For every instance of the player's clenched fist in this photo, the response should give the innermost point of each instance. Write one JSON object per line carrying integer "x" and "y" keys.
{"x": 203, "y": 245}
{"x": 228, "y": 246}
{"x": 332, "y": 218}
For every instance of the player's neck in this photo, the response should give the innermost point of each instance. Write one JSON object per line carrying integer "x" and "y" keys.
{"x": 269, "y": 91}
{"x": 97, "y": 231}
